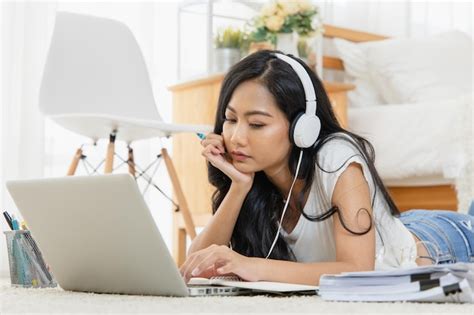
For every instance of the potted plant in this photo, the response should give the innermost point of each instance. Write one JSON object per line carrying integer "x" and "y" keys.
{"x": 228, "y": 43}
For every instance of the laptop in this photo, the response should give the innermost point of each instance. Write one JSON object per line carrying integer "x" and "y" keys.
{"x": 97, "y": 235}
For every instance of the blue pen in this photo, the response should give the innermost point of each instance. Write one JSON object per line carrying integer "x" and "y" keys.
{"x": 15, "y": 224}
{"x": 201, "y": 135}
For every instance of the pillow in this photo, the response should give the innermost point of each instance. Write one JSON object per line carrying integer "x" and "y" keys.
{"x": 356, "y": 67}
{"x": 421, "y": 69}
{"x": 365, "y": 94}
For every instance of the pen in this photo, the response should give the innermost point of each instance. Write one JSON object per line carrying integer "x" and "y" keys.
{"x": 15, "y": 223}
{"x": 8, "y": 219}
{"x": 202, "y": 137}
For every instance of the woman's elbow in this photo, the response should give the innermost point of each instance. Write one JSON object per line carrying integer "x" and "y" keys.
{"x": 364, "y": 266}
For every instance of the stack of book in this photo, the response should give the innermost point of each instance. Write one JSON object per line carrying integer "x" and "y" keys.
{"x": 436, "y": 283}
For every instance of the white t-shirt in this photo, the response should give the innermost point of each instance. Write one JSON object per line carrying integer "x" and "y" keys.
{"x": 314, "y": 241}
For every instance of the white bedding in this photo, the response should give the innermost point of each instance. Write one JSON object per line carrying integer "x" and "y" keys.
{"x": 425, "y": 143}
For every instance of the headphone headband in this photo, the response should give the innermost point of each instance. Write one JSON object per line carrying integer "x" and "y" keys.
{"x": 305, "y": 80}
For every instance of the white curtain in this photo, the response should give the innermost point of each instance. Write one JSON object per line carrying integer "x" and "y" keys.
{"x": 25, "y": 29}
{"x": 400, "y": 18}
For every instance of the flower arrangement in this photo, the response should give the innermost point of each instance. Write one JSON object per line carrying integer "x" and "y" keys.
{"x": 286, "y": 16}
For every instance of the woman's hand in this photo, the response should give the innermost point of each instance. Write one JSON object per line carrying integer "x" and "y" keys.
{"x": 214, "y": 151}
{"x": 218, "y": 261}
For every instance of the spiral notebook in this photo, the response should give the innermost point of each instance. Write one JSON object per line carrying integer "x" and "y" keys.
{"x": 256, "y": 286}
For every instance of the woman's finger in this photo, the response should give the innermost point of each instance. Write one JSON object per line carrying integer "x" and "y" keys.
{"x": 193, "y": 260}
{"x": 189, "y": 270}
{"x": 213, "y": 157}
{"x": 209, "y": 152}
{"x": 214, "y": 136}
{"x": 226, "y": 268}
{"x": 215, "y": 150}
{"x": 208, "y": 262}
{"x": 208, "y": 273}
{"x": 214, "y": 143}
{"x": 224, "y": 163}
{"x": 188, "y": 264}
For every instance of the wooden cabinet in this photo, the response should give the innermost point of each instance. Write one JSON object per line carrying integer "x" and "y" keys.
{"x": 195, "y": 102}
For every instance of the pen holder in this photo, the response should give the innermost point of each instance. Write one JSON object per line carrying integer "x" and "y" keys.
{"x": 27, "y": 267}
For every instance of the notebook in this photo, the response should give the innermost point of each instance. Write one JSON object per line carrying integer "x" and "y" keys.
{"x": 256, "y": 286}
{"x": 438, "y": 283}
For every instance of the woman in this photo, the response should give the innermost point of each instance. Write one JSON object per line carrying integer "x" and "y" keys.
{"x": 334, "y": 216}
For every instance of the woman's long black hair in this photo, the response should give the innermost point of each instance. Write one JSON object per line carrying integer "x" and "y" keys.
{"x": 257, "y": 223}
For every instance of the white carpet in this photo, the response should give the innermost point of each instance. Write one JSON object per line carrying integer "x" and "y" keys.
{"x": 55, "y": 300}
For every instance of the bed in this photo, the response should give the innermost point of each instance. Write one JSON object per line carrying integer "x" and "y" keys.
{"x": 413, "y": 101}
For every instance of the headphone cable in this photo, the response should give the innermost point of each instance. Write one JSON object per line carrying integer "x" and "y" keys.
{"x": 286, "y": 205}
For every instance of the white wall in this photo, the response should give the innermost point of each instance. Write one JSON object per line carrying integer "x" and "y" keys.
{"x": 399, "y": 18}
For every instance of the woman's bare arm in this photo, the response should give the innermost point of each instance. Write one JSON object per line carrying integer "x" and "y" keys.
{"x": 353, "y": 252}
{"x": 219, "y": 230}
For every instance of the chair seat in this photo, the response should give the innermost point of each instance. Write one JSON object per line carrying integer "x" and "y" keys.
{"x": 99, "y": 126}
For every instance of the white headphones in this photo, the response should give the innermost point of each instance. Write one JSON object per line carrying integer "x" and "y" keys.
{"x": 304, "y": 130}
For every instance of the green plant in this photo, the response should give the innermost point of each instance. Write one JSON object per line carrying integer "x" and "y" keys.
{"x": 229, "y": 38}
{"x": 303, "y": 48}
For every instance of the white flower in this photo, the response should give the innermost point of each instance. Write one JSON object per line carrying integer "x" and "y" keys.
{"x": 274, "y": 23}
{"x": 316, "y": 23}
{"x": 269, "y": 9}
{"x": 290, "y": 7}
{"x": 304, "y": 5}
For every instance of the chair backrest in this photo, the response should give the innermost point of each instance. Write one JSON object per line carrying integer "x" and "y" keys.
{"x": 95, "y": 66}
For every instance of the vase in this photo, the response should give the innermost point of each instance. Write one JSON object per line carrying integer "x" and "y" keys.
{"x": 224, "y": 58}
{"x": 318, "y": 43}
{"x": 287, "y": 43}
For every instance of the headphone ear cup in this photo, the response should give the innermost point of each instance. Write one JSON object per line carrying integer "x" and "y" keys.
{"x": 306, "y": 130}
{"x": 293, "y": 126}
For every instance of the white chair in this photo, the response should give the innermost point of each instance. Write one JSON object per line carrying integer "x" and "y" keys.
{"x": 95, "y": 83}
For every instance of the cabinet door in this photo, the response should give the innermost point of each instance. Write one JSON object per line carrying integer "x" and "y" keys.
{"x": 194, "y": 104}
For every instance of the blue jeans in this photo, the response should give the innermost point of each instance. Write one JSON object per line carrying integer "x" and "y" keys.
{"x": 450, "y": 234}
